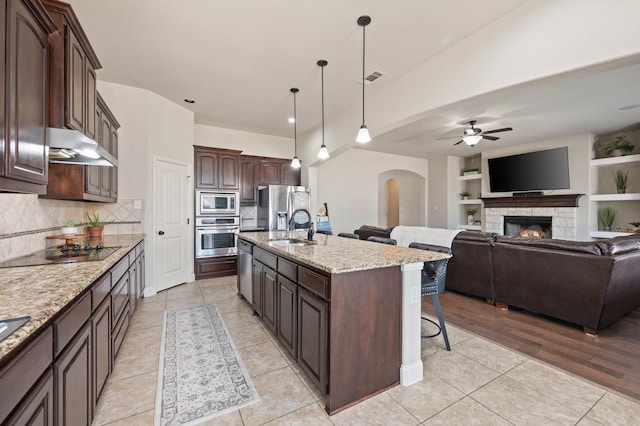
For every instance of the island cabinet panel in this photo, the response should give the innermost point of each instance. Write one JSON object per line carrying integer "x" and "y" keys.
{"x": 73, "y": 373}
{"x": 256, "y": 286}
{"x": 378, "y": 297}
{"x": 269, "y": 297}
{"x": 38, "y": 408}
{"x": 287, "y": 319}
{"x": 24, "y": 73}
{"x": 312, "y": 338}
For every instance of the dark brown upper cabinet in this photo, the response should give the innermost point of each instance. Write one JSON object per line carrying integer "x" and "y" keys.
{"x": 89, "y": 183}
{"x": 248, "y": 180}
{"x": 278, "y": 171}
{"x": 216, "y": 168}
{"x": 24, "y": 72}
{"x": 75, "y": 103}
{"x": 73, "y": 96}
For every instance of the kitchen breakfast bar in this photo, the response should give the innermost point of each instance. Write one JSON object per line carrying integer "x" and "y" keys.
{"x": 348, "y": 311}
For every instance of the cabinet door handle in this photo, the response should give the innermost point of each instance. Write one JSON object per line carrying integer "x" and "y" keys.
{"x": 160, "y": 232}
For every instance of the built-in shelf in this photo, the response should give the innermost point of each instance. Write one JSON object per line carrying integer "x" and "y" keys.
{"x": 612, "y": 161}
{"x": 615, "y": 197}
{"x": 470, "y": 201}
{"x": 608, "y": 234}
{"x": 470, "y": 177}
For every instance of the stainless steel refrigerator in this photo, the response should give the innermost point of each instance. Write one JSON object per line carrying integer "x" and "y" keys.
{"x": 276, "y": 204}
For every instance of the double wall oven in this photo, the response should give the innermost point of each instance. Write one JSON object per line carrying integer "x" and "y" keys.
{"x": 217, "y": 222}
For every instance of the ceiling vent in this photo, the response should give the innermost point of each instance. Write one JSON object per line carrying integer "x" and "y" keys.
{"x": 372, "y": 77}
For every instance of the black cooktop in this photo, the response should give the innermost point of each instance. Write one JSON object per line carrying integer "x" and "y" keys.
{"x": 55, "y": 255}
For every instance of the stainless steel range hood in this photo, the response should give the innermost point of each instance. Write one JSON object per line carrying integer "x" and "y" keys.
{"x": 67, "y": 146}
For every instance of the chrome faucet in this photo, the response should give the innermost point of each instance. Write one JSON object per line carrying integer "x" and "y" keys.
{"x": 292, "y": 226}
{"x": 310, "y": 233}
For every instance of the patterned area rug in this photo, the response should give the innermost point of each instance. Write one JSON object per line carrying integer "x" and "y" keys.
{"x": 201, "y": 375}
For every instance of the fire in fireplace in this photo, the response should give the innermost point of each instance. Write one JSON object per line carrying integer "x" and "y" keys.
{"x": 528, "y": 226}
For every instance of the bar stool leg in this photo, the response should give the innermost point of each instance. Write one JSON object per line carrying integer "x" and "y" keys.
{"x": 436, "y": 303}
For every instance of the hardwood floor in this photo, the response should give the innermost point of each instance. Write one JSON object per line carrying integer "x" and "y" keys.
{"x": 611, "y": 359}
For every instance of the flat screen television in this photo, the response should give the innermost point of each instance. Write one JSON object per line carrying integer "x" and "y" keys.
{"x": 532, "y": 171}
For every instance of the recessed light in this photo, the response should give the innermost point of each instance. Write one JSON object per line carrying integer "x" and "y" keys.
{"x": 292, "y": 120}
{"x": 190, "y": 101}
{"x": 628, "y": 107}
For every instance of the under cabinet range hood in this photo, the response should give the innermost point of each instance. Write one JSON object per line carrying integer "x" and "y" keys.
{"x": 68, "y": 146}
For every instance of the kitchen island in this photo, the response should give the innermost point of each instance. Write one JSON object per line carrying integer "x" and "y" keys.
{"x": 347, "y": 310}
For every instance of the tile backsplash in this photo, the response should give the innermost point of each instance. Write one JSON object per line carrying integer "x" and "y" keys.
{"x": 26, "y": 220}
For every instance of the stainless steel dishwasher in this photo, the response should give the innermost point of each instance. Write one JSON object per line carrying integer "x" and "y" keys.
{"x": 245, "y": 258}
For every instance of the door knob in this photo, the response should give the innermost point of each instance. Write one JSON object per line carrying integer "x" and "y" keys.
{"x": 160, "y": 232}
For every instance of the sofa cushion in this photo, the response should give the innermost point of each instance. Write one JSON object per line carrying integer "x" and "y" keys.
{"x": 548, "y": 243}
{"x": 476, "y": 236}
{"x": 619, "y": 245}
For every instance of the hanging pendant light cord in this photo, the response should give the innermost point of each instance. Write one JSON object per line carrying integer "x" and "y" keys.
{"x": 295, "y": 126}
{"x": 322, "y": 91}
{"x": 363, "y": 52}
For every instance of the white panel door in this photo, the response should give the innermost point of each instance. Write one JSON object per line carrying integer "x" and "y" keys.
{"x": 172, "y": 224}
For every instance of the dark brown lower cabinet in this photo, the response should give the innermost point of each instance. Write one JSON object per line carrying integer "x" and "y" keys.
{"x": 288, "y": 315}
{"x": 101, "y": 330}
{"x": 37, "y": 410}
{"x": 213, "y": 267}
{"x": 256, "y": 285}
{"x": 270, "y": 297}
{"x": 312, "y": 337}
{"x": 72, "y": 374}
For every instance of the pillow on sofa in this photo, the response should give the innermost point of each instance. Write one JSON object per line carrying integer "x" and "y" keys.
{"x": 577, "y": 246}
{"x": 619, "y": 245}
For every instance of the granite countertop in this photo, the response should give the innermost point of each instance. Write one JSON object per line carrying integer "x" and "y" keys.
{"x": 42, "y": 291}
{"x": 337, "y": 255}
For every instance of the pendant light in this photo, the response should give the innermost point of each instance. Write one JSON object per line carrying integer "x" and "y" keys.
{"x": 323, "y": 154}
{"x": 363, "y": 133}
{"x": 295, "y": 163}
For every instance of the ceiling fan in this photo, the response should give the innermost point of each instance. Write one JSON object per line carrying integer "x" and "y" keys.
{"x": 473, "y": 135}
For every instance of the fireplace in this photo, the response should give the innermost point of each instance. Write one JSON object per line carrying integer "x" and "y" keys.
{"x": 528, "y": 226}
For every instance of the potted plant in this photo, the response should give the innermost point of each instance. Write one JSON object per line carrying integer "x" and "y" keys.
{"x": 94, "y": 225}
{"x": 470, "y": 213}
{"x": 621, "y": 178}
{"x": 465, "y": 195}
{"x": 69, "y": 227}
{"x": 471, "y": 171}
{"x": 607, "y": 215}
{"x": 619, "y": 146}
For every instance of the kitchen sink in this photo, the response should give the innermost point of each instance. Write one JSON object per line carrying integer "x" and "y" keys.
{"x": 292, "y": 242}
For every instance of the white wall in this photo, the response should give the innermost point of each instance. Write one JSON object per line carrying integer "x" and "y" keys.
{"x": 248, "y": 143}
{"x": 349, "y": 185}
{"x": 151, "y": 126}
{"x": 535, "y": 41}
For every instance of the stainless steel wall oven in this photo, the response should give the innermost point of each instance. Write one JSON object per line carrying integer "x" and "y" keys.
{"x": 216, "y": 236}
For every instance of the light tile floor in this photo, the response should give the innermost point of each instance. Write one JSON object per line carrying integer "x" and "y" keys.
{"x": 477, "y": 383}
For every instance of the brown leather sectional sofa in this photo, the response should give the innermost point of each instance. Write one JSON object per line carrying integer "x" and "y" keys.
{"x": 590, "y": 284}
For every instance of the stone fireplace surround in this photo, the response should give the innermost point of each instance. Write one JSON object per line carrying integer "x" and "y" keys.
{"x": 561, "y": 209}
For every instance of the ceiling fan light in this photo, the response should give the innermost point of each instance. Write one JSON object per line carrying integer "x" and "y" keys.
{"x": 323, "y": 153}
{"x": 363, "y": 135}
{"x": 295, "y": 163}
{"x": 472, "y": 140}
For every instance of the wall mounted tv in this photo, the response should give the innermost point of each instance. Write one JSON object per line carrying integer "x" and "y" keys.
{"x": 539, "y": 170}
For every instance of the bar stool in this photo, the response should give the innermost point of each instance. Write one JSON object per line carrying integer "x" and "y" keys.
{"x": 382, "y": 240}
{"x": 433, "y": 283}
{"x": 348, "y": 235}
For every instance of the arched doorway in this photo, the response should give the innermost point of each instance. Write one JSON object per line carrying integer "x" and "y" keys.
{"x": 401, "y": 198}
{"x": 392, "y": 193}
